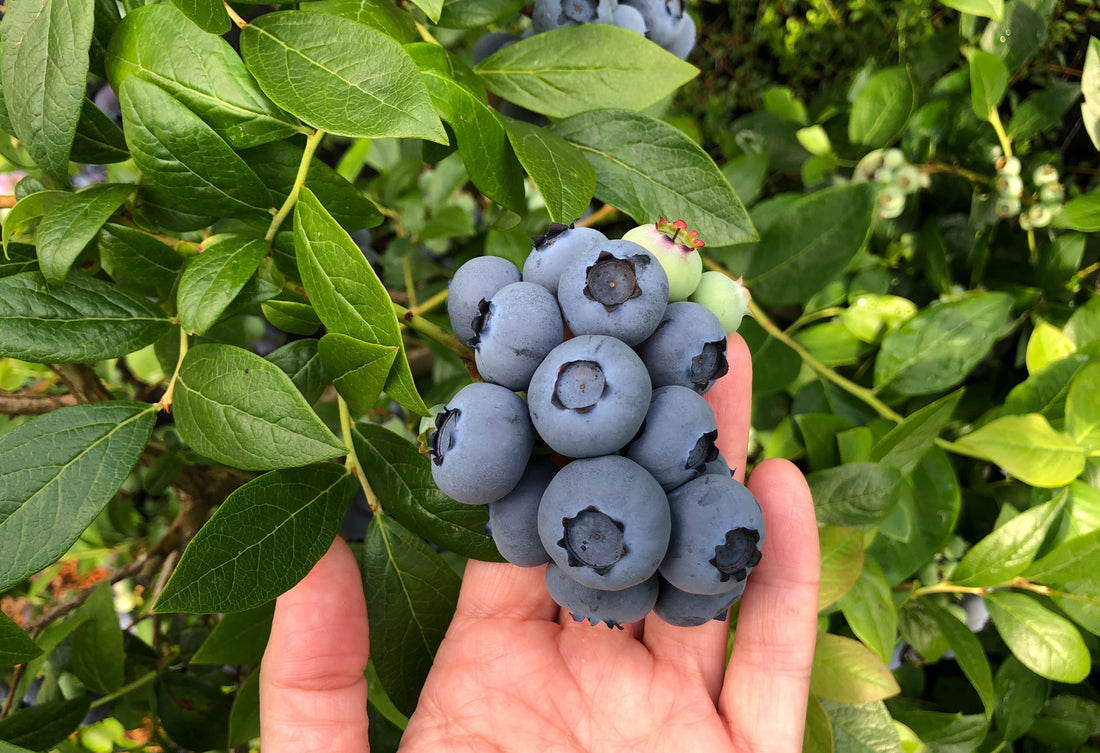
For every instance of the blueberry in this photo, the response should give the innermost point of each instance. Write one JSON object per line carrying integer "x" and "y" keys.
{"x": 687, "y": 348}
{"x": 551, "y": 252}
{"x": 481, "y": 444}
{"x": 629, "y": 18}
{"x": 107, "y": 101}
{"x": 726, "y": 297}
{"x": 589, "y": 396}
{"x": 613, "y": 608}
{"x": 717, "y": 529}
{"x": 684, "y": 609}
{"x": 677, "y": 438}
{"x": 662, "y": 18}
{"x": 554, "y": 14}
{"x": 492, "y": 42}
{"x": 617, "y": 288}
{"x": 513, "y": 519}
{"x": 513, "y": 332}
{"x": 684, "y": 41}
{"x": 605, "y": 521}
{"x": 479, "y": 278}
{"x": 719, "y": 467}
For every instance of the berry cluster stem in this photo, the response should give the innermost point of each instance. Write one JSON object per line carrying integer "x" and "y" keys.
{"x": 165, "y": 403}
{"x": 432, "y": 330}
{"x": 351, "y": 462}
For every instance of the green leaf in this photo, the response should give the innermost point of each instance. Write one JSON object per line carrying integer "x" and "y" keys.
{"x": 195, "y": 713}
{"x": 856, "y": 495}
{"x": 968, "y": 653}
{"x": 841, "y": 562}
{"x": 882, "y": 108}
{"x": 347, "y": 294}
{"x": 57, "y": 471}
{"x": 870, "y": 612}
{"x": 869, "y": 316}
{"x": 244, "y": 717}
{"x": 1046, "y": 643}
{"x": 846, "y": 671}
{"x": 905, "y": 444}
{"x": 44, "y": 725}
{"x": 862, "y": 728}
{"x": 411, "y": 597}
{"x": 988, "y": 81}
{"x": 1042, "y": 110}
{"x": 1020, "y": 695}
{"x": 21, "y": 258}
{"x": 818, "y": 432}
{"x": 1010, "y": 548}
{"x": 185, "y": 164}
{"x": 98, "y": 657}
{"x": 921, "y": 631}
{"x": 1046, "y": 390}
{"x": 28, "y": 212}
{"x": 201, "y": 70}
{"x": 938, "y": 347}
{"x": 1028, "y": 448}
{"x": 340, "y": 76}
{"x": 1083, "y": 409}
{"x": 82, "y": 321}
{"x": 1090, "y": 87}
{"x": 276, "y": 164}
{"x": 238, "y": 638}
{"x": 1046, "y": 345}
{"x": 431, "y": 8}
{"x": 98, "y": 141}
{"x": 382, "y": 15}
{"x": 214, "y": 277}
{"x": 240, "y": 409}
{"x": 994, "y": 9}
{"x": 479, "y": 133}
{"x": 263, "y": 539}
{"x": 1073, "y": 560}
{"x": 401, "y": 475}
{"x": 474, "y": 14}
{"x": 43, "y": 73}
{"x": 16, "y": 647}
{"x": 208, "y": 15}
{"x": 72, "y": 223}
{"x": 136, "y": 256}
{"x": 649, "y": 169}
{"x": 819, "y": 730}
{"x": 813, "y": 243}
{"x": 1081, "y": 213}
{"x": 1067, "y": 722}
{"x": 300, "y": 361}
{"x": 946, "y": 732}
{"x": 294, "y": 317}
{"x": 1080, "y": 601}
{"x": 358, "y": 369}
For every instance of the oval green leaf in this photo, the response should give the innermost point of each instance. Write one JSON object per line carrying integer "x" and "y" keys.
{"x": 558, "y": 169}
{"x": 968, "y": 653}
{"x": 213, "y": 278}
{"x": 1029, "y": 448}
{"x": 16, "y": 647}
{"x": 208, "y": 15}
{"x": 1083, "y": 409}
{"x": 81, "y": 321}
{"x": 882, "y": 108}
{"x": 855, "y": 495}
{"x": 1010, "y": 548}
{"x": 1046, "y": 643}
{"x": 841, "y": 562}
{"x": 846, "y": 671}
{"x": 71, "y": 224}
{"x": 869, "y": 610}
{"x": 263, "y": 539}
{"x": 239, "y": 409}
{"x": 988, "y": 81}
{"x": 57, "y": 472}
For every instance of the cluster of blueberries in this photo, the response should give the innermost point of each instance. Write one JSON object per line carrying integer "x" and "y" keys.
{"x": 1045, "y": 201}
{"x": 664, "y": 22}
{"x": 608, "y": 471}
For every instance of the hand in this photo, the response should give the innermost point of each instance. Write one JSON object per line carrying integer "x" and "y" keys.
{"x": 516, "y": 673}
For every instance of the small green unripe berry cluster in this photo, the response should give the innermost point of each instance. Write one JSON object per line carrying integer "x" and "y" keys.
{"x": 898, "y": 178}
{"x": 1046, "y": 200}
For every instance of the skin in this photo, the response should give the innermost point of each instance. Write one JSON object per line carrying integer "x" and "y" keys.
{"x": 516, "y": 673}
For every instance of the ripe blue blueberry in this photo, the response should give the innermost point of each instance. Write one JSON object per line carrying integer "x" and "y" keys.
{"x": 605, "y": 521}
{"x": 513, "y": 332}
{"x": 677, "y": 437}
{"x": 662, "y": 18}
{"x": 481, "y": 444}
{"x": 684, "y": 41}
{"x": 489, "y": 43}
{"x": 514, "y": 518}
{"x": 552, "y": 252}
{"x": 687, "y": 348}
{"x": 589, "y": 396}
{"x": 617, "y": 288}
{"x": 476, "y": 280}
{"x": 717, "y": 529}
{"x": 629, "y": 18}
{"x": 554, "y": 14}
{"x": 684, "y": 609}
{"x": 613, "y": 608}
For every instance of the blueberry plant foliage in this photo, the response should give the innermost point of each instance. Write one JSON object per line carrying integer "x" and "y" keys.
{"x": 226, "y": 247}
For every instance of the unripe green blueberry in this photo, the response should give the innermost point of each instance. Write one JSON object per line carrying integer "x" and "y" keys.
{"x": 1052, "y": 193}
{"x": 1007, "y": 207}
{"x": 1009, "y": 166}
{"x": 726, "y": 297}
{"x": 1039, "y": 215}
{"x": 893, "y": 158}
{"x": 891, "y": 202}
{"x": 907, "y": 178}
{"x": 677, "y": 248}
{"x": 868, "y": 166}
{"x": 1045, "y": 175}
{"x": 1009, "y": 185}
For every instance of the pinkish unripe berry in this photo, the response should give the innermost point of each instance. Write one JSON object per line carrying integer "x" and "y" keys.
{"x": 677, "y": 249}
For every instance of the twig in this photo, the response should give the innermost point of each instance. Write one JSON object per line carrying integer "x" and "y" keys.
{"x": 82, "y": 381}
{"x": 21, "y": 404}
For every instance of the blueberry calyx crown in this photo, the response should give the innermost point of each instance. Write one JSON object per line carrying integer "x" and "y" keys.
{"x": 442, "y": 439}
{"x": 709, "y": 364}
{"x": 479, "y": 322}
{"x": 578, "y": 12}
{"x": 676, "y": 232}
{"x": 593, "y": 539}
{"x": 579, "y": 386}
{"x": 547, "y": 239}
{"x": 705, "y": 451}
{"x": 611, "y": 281}
{"x": 738, "y": 555}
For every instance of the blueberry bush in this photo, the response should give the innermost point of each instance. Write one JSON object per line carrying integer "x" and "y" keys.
{"x": 228, "y": 235}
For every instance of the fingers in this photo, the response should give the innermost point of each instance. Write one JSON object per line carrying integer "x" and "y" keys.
{"x": 767, "y": 684}
{"x": 731, "y": 400}
{"x": 313, "y": 695}
{"x": 497, "y": 590}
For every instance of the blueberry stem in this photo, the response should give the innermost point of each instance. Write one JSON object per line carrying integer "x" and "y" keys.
{"x": 433, "y": 331}
{"x": 312, "y": 143}
{"x": 165, "y": 403}
{"x": 355, "y": 468}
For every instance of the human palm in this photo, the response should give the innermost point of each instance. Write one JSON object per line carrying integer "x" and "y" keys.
{"x": 516, "y": 673}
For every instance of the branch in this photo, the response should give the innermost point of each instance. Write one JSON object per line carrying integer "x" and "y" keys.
{"x": 82, "y": 381}
{"x": 21, "y": 404}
